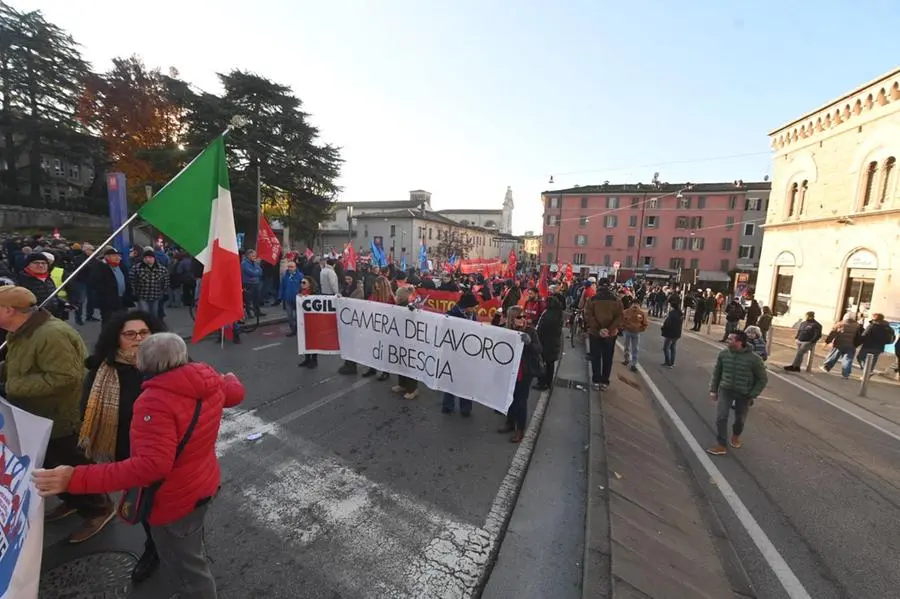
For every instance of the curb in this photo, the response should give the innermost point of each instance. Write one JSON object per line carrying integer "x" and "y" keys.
{"x": 596, "y": 582}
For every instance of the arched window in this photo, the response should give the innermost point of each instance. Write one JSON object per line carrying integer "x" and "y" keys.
{"x": 792, "y": 200}
{"x": 871, "y": 172}
{"x": 489, "y": 224}
{"x": 887, "y": 178}
{"x": 464, "y": 222}
{"x": 803, "y": 189}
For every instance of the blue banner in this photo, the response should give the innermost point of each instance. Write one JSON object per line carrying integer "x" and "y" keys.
{"x": 117, "y": 192}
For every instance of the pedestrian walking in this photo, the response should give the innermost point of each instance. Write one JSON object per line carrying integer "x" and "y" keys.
{"x": 738, "y": 378}
{"x": 405, "y": 386}
{"x": 734, "y": 312}
{"x": 634, "y": 323}
{"x": 808, "y": 334}
{"x": 844, "y": 338}
{"x": 671, "y": 333}
{"x": 464, "y": 308}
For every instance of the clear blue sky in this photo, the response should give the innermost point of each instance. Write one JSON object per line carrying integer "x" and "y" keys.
{"x": 465, "y": 97}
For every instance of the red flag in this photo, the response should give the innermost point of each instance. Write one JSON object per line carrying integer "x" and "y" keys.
{"x": 309, "y": 254}
{"x": 349, "y": 258}
{"x": 267, "y": 245}
{"x": 511, "y": 265}
{"x": 569, "y": 273}
{"x": 543, "y": 289}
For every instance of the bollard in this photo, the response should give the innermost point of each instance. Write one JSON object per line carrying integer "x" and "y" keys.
{"x": 867, "y": 373}
{"x": 812, "y": 355}
{"x": 769, "y": 337}
{"x": 709, "y": 325}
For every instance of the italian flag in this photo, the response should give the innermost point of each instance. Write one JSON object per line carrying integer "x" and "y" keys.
{"x": 194, "y": 210}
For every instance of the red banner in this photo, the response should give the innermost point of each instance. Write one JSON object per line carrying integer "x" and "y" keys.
{"x": 317, "y": 325}
{"x": 443, "y": 301}
{"x": 486, "y": 266}
{"x": 267, "y": 245}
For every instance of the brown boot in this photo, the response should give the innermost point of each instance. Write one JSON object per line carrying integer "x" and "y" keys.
{"x": 717, "y": 450}
{"x": 736, "y": 441}
{"x": 517, "y": 437}
{"x": 58, "y": 513}
{"x": 91, "y": 527}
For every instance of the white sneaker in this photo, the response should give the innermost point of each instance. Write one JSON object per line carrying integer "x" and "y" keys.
{"x": 412, "y": 395}
{"x": 397, "y": 389}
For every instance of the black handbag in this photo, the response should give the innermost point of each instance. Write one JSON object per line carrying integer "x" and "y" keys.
{"x": 136, "y": 502}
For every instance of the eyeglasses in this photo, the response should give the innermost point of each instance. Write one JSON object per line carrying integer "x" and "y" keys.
{"x": 135, "y": 334}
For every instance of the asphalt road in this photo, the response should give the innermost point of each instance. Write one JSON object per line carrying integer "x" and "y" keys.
{"x": 823, "y": 486}
{"x": 350, "y": 492}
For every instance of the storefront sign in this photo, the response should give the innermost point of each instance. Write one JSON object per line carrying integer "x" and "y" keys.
{"x": 863, "y": 259}
{"x": 785, "y": 259}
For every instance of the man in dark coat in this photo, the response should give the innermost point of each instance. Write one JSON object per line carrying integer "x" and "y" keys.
{"x": 112, "y": 286}
{"x": 549, "y": 330}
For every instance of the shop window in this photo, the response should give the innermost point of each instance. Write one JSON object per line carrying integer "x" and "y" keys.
{"x": 784, "y": 282}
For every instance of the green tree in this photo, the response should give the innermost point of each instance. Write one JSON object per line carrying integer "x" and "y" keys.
{"x": 298, "y": 174}
{"x": 457, "y": 243}
{"x": 41, "y": 77}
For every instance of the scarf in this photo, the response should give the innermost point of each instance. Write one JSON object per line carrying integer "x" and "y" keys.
{"x": 101, "y": 417}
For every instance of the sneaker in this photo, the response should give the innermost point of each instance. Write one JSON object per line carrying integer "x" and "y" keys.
{"x": 735, "y": 441}
{"x": 823, "y": 369}
{"x": 624, "y": 362}
{"x": 383, "y": 377}
{"x": 370, "y": 372}
{"x": 412, "y": 395}
{"x": 604, "y": 386}
{"x": 595, "y": 386}
{"x": 633, "y": 368}
{"x": 58, "y": 513}
{"x": 91, "y": 528}
{"x": 717, "y": 450}
{"x": 397, "y": 389}
{"x": 791, "y": 368}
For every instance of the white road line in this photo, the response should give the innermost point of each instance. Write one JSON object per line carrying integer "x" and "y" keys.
{"x": 880, "y": 424}
{"x": 266, "y": 346}
{"x": 789, "y": 581}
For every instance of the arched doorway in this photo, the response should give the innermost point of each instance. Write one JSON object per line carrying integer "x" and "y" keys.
{"x": 785, "y": 264}
{"x": 861, "y": 268}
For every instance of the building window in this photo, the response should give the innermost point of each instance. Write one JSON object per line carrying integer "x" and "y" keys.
{"x": 629, "y": 261}
{"x": 581, "y": 240}
{"x": 887, "y": 178}
{"x": 74, "y": 172}
{"x": 45, "y": 165}
{"x": 550, "y": 238}
{"x": 697, "y": 243}
{"x": 631, "y": 241}
{"x": 679, "y": 243}
{"x": 583, "y": 221}
{"x": 701, "y": 203}
{"x": 696, "y": 222}
{"x": 792, "y": 199}
{"x": 650, "y": 241}
{"x": 648, "y": 261}
{"x": 57, "y": 167}
{"x": 746, "y": 252}
{"x": 695, "y": 262}
{"x": 365, "y": 230}
{"x": 612, "y": 203}
{"x": 748, "y": 229}
{"x": 729, "y": 223}
{"x": 635, "y": 202}
{"x": 612, "y": 221}
{"x": 784, "y": 281}
{"x": 553, "y": 203}
{"x": 652, "y": 204}
{"x": 606, "y": 260}
{"x": 584, "y": 202}
{"x": 651, "y": 222}
{"x": 726, "y": 244}
{"x": 393, "y": 230}
{"x": 578, "y": 258}
{"x": 684, "y": 203}
{"x": 46, "y": 193}
{"x": 752, "y": 204}
{"x": 676, "y": 263}
{"x": 804, "y": 187}
{"x": 608, "y": 242}
{"x": 552, "y": 220}
{"x": 429, "y": 233}
{"x": 632, "y": 220}
{"x": 871, "y": 173}
{"x": 732, "y": 202}
{"x": 724, "y": 265}
{"x": 682, "y": 222}
{"x": 550, "y": 257}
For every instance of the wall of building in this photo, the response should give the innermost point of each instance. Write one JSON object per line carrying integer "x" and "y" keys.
{"x": 21, "y": 217}
{"x": 489, "y": 219}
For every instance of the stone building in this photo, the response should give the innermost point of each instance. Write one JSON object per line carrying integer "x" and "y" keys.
{"x": 832, "y": 232}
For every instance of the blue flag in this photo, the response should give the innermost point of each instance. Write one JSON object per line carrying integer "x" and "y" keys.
{"x": 423, "y": 257}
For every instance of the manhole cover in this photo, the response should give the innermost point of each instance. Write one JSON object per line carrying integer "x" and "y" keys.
{"x": 104, "y": 575}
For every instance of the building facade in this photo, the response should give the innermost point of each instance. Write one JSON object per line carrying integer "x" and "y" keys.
{"x": 711, "y": 227}
{"x": 832, "y": 241}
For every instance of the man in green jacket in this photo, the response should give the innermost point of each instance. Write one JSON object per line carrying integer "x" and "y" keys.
{"x": 738, "y": 378}
{"x": 44, "y": 374}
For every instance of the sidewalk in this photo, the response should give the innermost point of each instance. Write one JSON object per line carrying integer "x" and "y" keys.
{"x": 646, "y": 537}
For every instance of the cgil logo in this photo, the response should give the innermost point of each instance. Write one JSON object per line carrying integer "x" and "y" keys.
{"x": 318, "y": 305}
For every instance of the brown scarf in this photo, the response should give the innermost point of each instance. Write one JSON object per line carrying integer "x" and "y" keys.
{"x": 101, "y": 417}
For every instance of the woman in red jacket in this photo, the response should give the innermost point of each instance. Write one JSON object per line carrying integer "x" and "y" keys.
{"x": 161, "y": 421}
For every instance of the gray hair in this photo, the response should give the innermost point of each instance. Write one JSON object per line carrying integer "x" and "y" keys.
{"x": 161, "y": 352}
{"x": 753, "y": 330}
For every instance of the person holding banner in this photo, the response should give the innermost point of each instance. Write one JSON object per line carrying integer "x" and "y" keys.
{"x": 381, "y": 293}
{"x": 464, "y": 308}
{"x": 307, "y": 287}
{"x": 409, "y": 387}
{"x": 353, "y": 288}
{"x": 530, "y": 366}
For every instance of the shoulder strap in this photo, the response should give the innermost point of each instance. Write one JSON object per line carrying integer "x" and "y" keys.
{"x": 190, "y": 429}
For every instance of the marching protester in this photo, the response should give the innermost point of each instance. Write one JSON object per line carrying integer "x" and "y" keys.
{"x": 464, "y": 308}
{"x": 634, "y": 322}
{"x": 738, "y": 378}
{"x": 307, "y": 287}
{"x": 844, "y": 337}
{"x": 44, "y": 374}
{"x": 173, "y": 440}
{"x": 149, "y": 282}
{"x": 808, "y": 334}
{"x": 549, "y": 328}
{"x": 111, "y": 286}
{"x": 734, "y": 312}
{"x": 35, "y": 276}
{"x": 405, "y": 385}
{"x": 287, "y": 294}
{"x": 353, "y": 288}
{"x": 874, "y": 339}
{"x": 112, "y": 386}
{"x": 381, "y": 293}
{"x": 529, "y": 367}
{"x": 603, "y": 318}
{"x": 671, "y": 333}
{"x": 534, "y": 306}
{"x": 328, "y": 278}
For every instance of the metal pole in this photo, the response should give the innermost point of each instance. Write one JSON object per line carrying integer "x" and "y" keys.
{"x": 867, "y": 373}
{"x": 812, "y": 355}
{"x": 769, "y": 337}
{"x": 258, "y": 201}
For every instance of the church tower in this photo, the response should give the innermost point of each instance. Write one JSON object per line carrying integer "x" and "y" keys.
{"x": 506, "y": 218}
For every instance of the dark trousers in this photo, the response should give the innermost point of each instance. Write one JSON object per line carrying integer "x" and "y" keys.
{"x": 546, "y": 379}
{"x": 64, "y": 451}
{"x": 407, "y": 383}
{"x": 727, "y": 398}
{"x": 698, "y": 319}
{"x": 449, "y": 404}
{"x": 602, "y": 350}
{"x": 187, "y": 293}
{"x": 91, "y": 301}
{"x": 517, "y": 415}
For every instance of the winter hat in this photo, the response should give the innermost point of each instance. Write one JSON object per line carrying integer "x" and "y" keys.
{"x": 36, "y": 257}
{"x": 16, "y": 297}
{"x": 111, "y": 252}
{"x": 467, "y": 300}
{"x": 50, "y": 258}
{"x": 149, "y": 254}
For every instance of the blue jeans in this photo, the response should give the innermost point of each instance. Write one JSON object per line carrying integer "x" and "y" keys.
{"x": 631, "y": 342}
{"x": 449, "y": 404}
{"x": 151, "y": 306}
{"x": 669, "y": 350}
{"x": 291, "y": 309}
{"x": 845, "y": 355}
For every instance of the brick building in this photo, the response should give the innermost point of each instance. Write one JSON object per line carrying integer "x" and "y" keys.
{"x": 659, "y": 227}
{"x": 832, "y": 234}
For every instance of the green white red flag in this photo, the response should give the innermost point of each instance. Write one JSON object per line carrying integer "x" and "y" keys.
{"x": 194, "y": 210}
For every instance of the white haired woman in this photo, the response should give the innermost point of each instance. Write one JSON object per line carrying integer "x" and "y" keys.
{"x": 173, "y": 437}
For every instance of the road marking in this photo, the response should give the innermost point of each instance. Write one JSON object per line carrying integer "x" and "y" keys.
{"x": 789, "y": 581}
{"x": 266, "y": 346}
{"x": 880, "y": 424}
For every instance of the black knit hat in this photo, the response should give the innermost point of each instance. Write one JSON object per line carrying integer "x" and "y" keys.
{"x": 468, "y": 300}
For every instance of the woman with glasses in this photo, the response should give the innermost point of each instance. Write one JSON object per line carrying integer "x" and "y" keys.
{"x": 110, "y": 390}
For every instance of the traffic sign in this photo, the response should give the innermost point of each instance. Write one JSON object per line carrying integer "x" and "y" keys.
{"x": 616, "y": 265}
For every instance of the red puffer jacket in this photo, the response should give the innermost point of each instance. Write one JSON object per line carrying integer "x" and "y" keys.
{"x": 162, "y": 414}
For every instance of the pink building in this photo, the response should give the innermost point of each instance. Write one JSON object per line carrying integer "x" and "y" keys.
{"x": 713, "y": 227}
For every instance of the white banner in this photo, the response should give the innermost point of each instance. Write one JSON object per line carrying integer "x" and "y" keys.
{"x": 23, "y": 442}
{"x": 469, "y": 359}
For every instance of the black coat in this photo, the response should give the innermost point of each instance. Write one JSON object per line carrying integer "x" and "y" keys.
{"x": 671, "y": 327}
{"x": 104, "y": 285}
{"x": 549, "y": 328}
{"x": 130, "y": 380}
{"x": 532, "y": 354}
